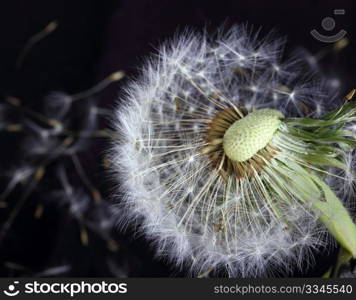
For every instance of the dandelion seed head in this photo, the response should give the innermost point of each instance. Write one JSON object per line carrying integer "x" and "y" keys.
{"x": 203, "y": 206}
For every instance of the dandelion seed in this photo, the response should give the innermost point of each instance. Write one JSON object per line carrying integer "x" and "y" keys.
{"x": 250, "y": 191}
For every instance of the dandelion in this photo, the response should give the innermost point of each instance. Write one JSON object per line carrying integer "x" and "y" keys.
{"x": 51, "y": 140}
{"x": 230, "y": 161}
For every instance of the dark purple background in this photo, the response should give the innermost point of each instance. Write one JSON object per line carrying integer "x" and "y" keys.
{"x": 95, "y": 38}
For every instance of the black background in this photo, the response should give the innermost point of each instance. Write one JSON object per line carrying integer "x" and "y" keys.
{"x": 95, "y": 38}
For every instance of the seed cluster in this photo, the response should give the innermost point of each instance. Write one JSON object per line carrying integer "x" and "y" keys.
{"x": 250, "y": 210}
{"x": 215, "y": 133}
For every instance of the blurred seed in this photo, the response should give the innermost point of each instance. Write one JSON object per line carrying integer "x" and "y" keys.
{"x": 39, "y": 211}
{"x": 350, "y": 95}
{"x": 39, "y": 173}
{"x": 84, "y": 237}
{"x": 13, "y": 101}
{"x": 341, "y": 44}
{"x": 106, "y": 163}
{"x": 14, "y": 127}
{"x": 96, "y": 195}
{"x": 113, "y": 245}
{"x": 117, "y": 75}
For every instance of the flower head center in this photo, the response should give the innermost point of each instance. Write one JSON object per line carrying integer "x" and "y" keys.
{"x": 246, "y": 136}
{"x": 239, "y": 143}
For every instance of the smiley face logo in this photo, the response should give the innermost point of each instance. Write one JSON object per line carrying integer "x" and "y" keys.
{"x": 11, "y": 292}
{"x": 328, "y": 24}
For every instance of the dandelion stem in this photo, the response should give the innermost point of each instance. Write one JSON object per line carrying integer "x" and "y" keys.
{"x": 99, "y": 86}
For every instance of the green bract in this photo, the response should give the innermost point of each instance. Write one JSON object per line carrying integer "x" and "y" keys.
{"x": 313, "y": 147}
{"x": 308, "y": 148}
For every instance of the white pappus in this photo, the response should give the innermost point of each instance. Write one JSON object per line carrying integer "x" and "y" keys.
{"x": 223, "y": 155}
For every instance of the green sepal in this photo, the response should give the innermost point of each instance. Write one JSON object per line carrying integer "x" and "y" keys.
{"x": 335, "y": 217}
